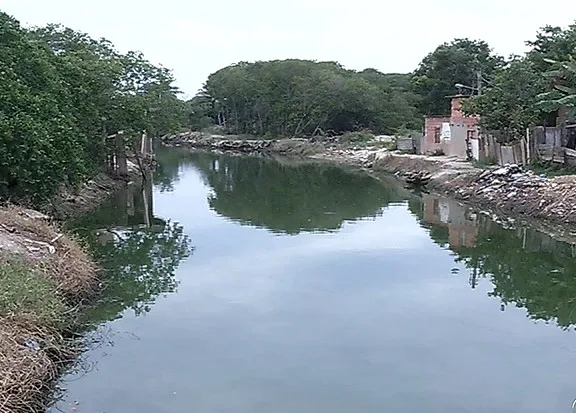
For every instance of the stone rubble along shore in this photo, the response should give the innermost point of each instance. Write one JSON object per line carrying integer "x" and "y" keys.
{"x": 506, "y": 190}
{"x": 514, "y": 190}
{"x": 217, "y": 142}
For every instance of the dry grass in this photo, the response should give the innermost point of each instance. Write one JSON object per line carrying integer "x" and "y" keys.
{"x": 42, "y": 272}
{"x": 31, "y": 357}
{"x": 69, "y": 266}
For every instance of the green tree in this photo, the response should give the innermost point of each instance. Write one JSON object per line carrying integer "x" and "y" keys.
{"x": 459, "y": 61}
{"x": 508, "y": 103}
{"x": 60, "y": 92}
{"x": 41, "y": 143}
{"x": 552, "y": 43}
{"x": 563, "y": 75}
{"x": 300, "y": 97}
{"x": 199, "y": 112}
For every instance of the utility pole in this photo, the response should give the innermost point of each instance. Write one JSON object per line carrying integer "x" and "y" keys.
{"x": 479, "y": 81}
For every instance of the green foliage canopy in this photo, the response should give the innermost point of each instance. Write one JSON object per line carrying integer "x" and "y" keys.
{"x": 301, "y": 97}
{"x": 508, "y": 104}
{"x": 459, "y": 61}
{"x": 60, "y": 92}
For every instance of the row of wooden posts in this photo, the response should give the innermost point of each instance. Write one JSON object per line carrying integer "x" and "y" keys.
{"x": 117, "y": 158}
{"x": 540, "y": 143}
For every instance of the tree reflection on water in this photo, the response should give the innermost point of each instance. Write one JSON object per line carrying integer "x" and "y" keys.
{"x": 528, "y": 269}
{"x": 137, "y": 252}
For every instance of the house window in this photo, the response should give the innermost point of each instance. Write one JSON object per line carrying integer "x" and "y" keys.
{"x": 471, "y": 134}
{"x": 437, "y": 131}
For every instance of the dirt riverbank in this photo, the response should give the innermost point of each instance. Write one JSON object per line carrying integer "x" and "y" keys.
{"x": 549, "y": 203}
{"x": 45, "y": 276}
{"x": 92, "y": 193}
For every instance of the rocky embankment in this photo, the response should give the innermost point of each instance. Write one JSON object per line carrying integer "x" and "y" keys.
{"x": 217, "y": 142}
{"x": 514, "y": 190}
{"x": 508, "y": 190}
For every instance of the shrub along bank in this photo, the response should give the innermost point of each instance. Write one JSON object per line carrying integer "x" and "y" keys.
{"x": 61, "y": 92}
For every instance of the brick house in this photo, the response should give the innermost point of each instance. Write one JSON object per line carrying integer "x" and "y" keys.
{"x": 453, "y": 135}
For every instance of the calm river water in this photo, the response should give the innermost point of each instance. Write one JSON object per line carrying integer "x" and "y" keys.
{"x": 244, "y": 285}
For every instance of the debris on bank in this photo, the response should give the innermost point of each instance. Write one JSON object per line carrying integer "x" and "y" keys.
{"x": 417, "y": 178}
{"x": 43, "y": 273}
{"x": 499, "y": 182}
{"x": 217, "y": 142}
{"x": 514, "y": 189}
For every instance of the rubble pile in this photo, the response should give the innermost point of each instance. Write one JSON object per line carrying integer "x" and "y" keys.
{"x": 514, "y": 189}
{"x": 508, "y": 182}
{"x": 417, "y": 178}
{"x": 217, "y": 142}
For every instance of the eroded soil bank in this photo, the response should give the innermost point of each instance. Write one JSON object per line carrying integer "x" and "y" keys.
{"x": 45, "y": 276}
{"x": 549, "y": 203}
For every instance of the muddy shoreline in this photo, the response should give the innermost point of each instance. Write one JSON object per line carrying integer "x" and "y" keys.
{"x": 549, "y": 204}
{"x": 47, "y": 278}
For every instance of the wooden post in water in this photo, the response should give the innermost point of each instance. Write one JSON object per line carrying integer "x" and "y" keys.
{"x": 130, "y": 208}
{"x": 147, "y": 221}
{"x": 110, "y": 153}
{"x": 147, "y": 196}
{"x": 143, "y": 144}
{"x": 527, "y": 145}
{"x": 121, "y": 161}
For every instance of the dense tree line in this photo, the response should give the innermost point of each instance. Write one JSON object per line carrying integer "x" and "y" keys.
{"x": 61, "y": 92}
{"x": 300, "y": 97}
{"x": 461, "y": 62}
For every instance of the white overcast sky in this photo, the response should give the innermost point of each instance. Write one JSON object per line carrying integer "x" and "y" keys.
{"x": 195, "y": 38}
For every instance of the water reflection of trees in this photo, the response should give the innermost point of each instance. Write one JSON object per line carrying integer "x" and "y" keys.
{"x": 138, "y": 265}
{"x": 528, "y": 269}
{"x": 137, "y": 252}
{"x": 292, "y": 197}
{"x": 167, "y": 172}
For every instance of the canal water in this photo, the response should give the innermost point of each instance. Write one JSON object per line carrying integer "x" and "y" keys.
{"x": 244, "y": 285}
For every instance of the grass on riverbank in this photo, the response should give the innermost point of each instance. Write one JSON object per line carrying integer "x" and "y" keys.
{"x": 25, "y": 291}
{"x": 43, "y": 273}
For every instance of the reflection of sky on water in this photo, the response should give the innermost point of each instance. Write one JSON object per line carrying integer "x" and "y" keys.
{"x": 366, "y": 319}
